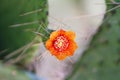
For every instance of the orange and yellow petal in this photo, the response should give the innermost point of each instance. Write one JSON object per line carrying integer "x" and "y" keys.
{"x": 70, "y": 35}
{"x": 48, "y": 44}
{"x": 56, "y": 33}
{"x": 61, "y": 57}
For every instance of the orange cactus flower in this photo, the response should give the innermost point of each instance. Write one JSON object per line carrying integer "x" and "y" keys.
{"x": 61, "y": 44}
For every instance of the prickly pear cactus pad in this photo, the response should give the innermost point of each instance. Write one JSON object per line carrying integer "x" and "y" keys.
{"x": 102, "y": 60}
{"x": 19, "y": 22}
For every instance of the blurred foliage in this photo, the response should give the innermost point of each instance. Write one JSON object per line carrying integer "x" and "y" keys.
{"x": 102, "y": 60}
{"x": 11, "y": 73}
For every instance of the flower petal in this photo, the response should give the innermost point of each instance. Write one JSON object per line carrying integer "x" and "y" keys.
{"x": 70, "y": 35}
{"x": 54, "y": 35}
{"x": 61, "y": 57}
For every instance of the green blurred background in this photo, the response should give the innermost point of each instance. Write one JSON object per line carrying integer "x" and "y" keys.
{"x": 101, "y": 61}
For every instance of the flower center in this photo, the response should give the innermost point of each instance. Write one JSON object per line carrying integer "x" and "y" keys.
{"x": 61, "y": 43}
